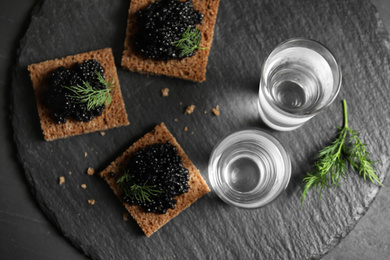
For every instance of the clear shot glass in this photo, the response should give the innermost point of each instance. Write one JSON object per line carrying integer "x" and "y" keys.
{"x": 298, "y": 80}
{"x": 249, "y": 168}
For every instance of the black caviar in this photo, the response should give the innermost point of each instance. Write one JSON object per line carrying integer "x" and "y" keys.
{"x": 161, "y": 24}
{"x": 62, "y": 102}
{"x": 157, "y": 166}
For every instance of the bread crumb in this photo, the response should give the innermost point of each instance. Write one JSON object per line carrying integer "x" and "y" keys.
{"x": 83, "y": 186}
{"x": 90, "y": 171}
{"x": 102, "y": 133}
{"x": 185, "y": 129}
{"x": 85, "y": 154}
{"x": 91, "y": 201}
{"x": 192, "y": 132}
{"x": 125, "y": 216}
{"x": 176, "y": 120}
{"x": 181, "y": 103}
{"x": 190, "y": 109}
{"x": 61, "y": 180}
{"x": 164, "y": 92}
{"x": 216, "y": 111}
{"x": 70, "y": 173}
{"x": 205, "y": 112}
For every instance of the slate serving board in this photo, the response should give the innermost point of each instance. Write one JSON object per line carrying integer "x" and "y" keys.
{"x": 246, "y": 31}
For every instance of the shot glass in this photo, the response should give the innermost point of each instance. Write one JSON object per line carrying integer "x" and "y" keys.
{"x": 298, "y": 80}
{"x": 249, "y": 168}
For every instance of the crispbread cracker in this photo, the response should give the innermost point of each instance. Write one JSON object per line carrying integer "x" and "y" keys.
{"x": 151, "y": 222}
{"x": 114, "y": 115}
{"x": 190, "y": 68}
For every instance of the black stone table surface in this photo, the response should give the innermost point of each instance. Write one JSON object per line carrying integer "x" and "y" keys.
{"x": 41, "y": 220}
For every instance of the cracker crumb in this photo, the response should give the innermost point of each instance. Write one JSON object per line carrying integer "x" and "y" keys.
{"x": 181, "y": 103}
{"x": 185, "y": 128}
{"x": 125, "y": 216}
{"x": 85, "y": 154}
{"x": 102, "y": 133}
{"x": 190, "y": 109}
{"x": 192, "y": 132}
{"x": 70, "y": 173}
{"x": 205, "y": 112}
{"x": 83, "y": 186}
{"x": 176, "y": 120}
{"x": 61, "y": 180}
{"x": 90, "y": 171}
{"x": 165, "y": 92}
{"x": 216, "y": 111}
{"x": 92, "y": 201}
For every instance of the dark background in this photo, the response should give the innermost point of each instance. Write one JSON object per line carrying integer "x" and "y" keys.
{"x": 25, "y": 232}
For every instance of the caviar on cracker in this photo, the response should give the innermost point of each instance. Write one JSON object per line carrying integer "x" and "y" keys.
{"x": 80, "y": 93}
{"x": 154, "y": 176}
{"x": 167, "y": 30}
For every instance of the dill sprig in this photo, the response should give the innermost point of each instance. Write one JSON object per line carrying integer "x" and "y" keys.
{"x": 332, "y": 161}
{"x": 189, "y": 42}
{"x": 93, "y": 97}
{"x": 141, "y": 193}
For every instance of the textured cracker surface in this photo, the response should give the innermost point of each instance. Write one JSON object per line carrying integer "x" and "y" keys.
{"x": 191, "y": 68}
{"x": 151, "y": 222}
{"x": 114, "y": 115}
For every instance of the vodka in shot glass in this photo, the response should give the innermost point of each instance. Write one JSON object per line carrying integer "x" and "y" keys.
{"x": 249, "y": 168}
{"x": 298, "y": 80}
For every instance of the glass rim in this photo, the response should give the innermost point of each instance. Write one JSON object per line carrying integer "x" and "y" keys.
{"x": 337, "y": 88}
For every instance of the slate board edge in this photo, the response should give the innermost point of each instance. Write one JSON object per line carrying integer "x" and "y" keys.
{"x": 51, "y": 216}
{"x": 337, "y": 239}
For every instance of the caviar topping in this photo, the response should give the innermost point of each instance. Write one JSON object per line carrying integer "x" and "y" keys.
{"x": 162, "y": 25}
{"x": 71, "y": 92}
{"x": 154, "y": 176}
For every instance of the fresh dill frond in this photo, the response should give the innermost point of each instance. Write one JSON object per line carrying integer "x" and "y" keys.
{"x": 189, "y": 42}
{"x": 359, "y": 158}
{"x": 93, "y": 97}
{"x": 141, "y": 193}
{"x": 332, "y": 161}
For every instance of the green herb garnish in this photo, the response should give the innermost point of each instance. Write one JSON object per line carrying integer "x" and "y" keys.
{"x": 332, "y": 161}
{"x": 93, "y": 97}
{"x": 189, "y": 42}
{"x": 141, "y": 193}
